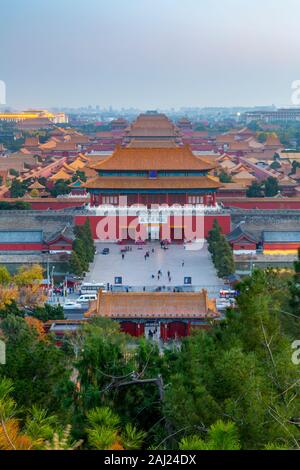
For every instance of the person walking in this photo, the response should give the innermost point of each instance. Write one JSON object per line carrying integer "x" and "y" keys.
{"x": 123, "y": 256}
{"x": 182, "y": 264}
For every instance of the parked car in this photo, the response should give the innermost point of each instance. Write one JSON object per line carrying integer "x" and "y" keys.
{"x": 85, "y": 298}
{"x": 105, "y": 251}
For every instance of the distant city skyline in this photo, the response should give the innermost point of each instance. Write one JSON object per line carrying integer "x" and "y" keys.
{"x": 149, "y": 54}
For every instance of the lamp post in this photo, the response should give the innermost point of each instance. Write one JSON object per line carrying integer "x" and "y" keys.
{"x": 52, "y": 283}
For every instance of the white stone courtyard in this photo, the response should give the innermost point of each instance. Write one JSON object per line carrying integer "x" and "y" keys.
{"x": 137, "y": 271}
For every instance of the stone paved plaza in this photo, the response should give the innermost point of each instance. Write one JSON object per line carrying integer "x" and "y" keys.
{"x": 136, "y": 271}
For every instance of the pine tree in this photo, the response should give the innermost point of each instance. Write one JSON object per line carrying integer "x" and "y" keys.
{"x": 75, "y": 264}
{"x": 224, "y": 258}
{"x": 214, "y": 236}
{"x": 255, "y": 190}
{"x": 295, "y": 288}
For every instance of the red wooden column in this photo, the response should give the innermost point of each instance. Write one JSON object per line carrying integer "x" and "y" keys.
{"x": 164, "y": 331}
{"x": 140, "y": 329}
{"x": 188, "y": 329}
{"x": 214, "y": 198}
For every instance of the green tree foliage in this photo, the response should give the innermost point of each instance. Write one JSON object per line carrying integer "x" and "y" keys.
{"x": 275, "y": 165}
{"x": 242, "y": 370}
{"x": 36, "y": 367}
{"x": 83, "y": 249}
{"x": 5, "y": 277}
{"x": 79, "y": 175}
{"x": 255, "y": 190}
{"x": 14, "y": 206}
{"x": 220, "y": 250}
{"x": 276, "y": 157}
{"x": 35, "y": 431}
{"x": 108, "y": 368}
{"x": 75, "y": 265}
{"x": 262, "y": 137}
{"x": 48, "y": 312}
{"x": 221, "y": 436}
{"x": 43, "y": 181}
{"x": 225, "y": 177}
{"x": 104, "y": 432}
{"x": 232, "y": 387}
{"x": 14, "y": 172}
{"x": 271, "y": 187}
{"x": 18, "y": 188}
{"x": 254, "y": 126}
{"x": 267, "y": 188}
{"x": 295, "y": 166}
{"x": 11, "y": 309}
{"x": 295, "y": 288}
{"x": 60, "y": 187}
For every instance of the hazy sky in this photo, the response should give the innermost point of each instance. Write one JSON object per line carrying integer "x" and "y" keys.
{"x": 149, "y": 53}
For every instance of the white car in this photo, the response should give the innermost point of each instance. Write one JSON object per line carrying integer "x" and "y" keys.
{"x": 70, "y": 304}
{"x": 86, "y": 298}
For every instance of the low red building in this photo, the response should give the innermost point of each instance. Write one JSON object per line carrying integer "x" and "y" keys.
{"x": 242, "y": 241}
{"x": 173, "y": 313}
{"x": 27, "y": 240}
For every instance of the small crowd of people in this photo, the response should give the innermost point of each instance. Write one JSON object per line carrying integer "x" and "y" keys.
{"x": 152, "y": 333}
{"x": 160, "y": 274}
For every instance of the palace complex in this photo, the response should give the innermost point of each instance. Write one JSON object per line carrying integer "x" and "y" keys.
{"x": 155, "y": 179}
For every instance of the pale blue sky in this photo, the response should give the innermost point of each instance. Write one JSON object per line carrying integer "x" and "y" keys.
{"x": 149, "y": 53}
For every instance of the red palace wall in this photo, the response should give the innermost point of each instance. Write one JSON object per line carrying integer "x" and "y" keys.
{"x": 132, "y": 328}
{"x": 34, "y": 247}
{"x": 22, "y": 247}
{"x": 244, "y": 246}
{"x": 56, "y": 205}
{"x": 168, "y": 330}
{"x": 261, "y": 203}
{"x": 65, "y": 247}
{"x": 223, "y": 219}
{"x": 42, "y": 204}
{"x": 281, "y": 246}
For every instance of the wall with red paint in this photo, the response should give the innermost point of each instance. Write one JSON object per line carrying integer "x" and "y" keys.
{"x": 41, "y": 204}
{"x": 133, "y": 328}
{"x": 244, "y": 246}
{"x": 22, "y": 247}
{"x": 56, "y": 205}
{"x": 261, "y": 203}
{"x": 223, "y": 219}
{"x": 281, "y": 246}
{"x": 177, "y": 330}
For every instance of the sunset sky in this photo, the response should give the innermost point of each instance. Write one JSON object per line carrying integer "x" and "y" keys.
{"x": 149, "y": 53}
